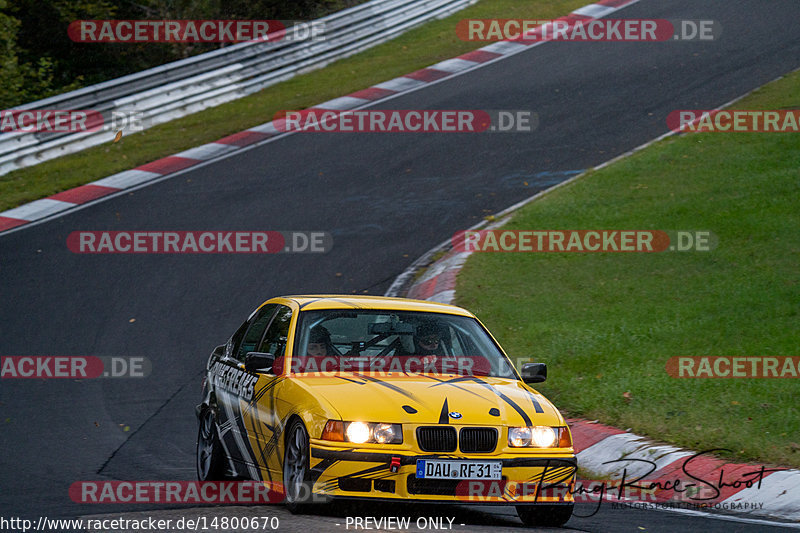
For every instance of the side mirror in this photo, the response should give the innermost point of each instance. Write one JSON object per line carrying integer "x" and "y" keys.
{"x": 534, "y": 372}
{"x": 258, "y": 361}
{"x": 219, "y": 350}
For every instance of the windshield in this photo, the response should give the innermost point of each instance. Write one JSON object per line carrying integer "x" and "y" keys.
{"x": 396, "y": 343}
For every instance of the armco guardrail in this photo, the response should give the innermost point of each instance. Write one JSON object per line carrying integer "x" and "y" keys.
{"x": 183, "y": 87}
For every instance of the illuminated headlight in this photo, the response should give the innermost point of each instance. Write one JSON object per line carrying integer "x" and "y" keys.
{"x": 543, "y": 436}
{"x": 358, "y": 432}
{"x": 363, "y": 432}
{"x": 539, "y": 437}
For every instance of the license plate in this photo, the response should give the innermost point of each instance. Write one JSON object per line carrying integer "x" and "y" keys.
{"x": 427, "y": 469}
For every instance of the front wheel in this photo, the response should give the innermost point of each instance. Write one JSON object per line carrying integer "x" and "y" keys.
{"x": 545, "y": 515}
{"x": 210, "y": 456}
{"x": 296, "y": 485}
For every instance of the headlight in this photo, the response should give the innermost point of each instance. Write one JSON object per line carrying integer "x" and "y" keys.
{"x": 519, "y": 437}
{"x": 363, "y": 432}
{"x": 358, "y": 432}
{"x": 387, "y": 433}
{"x": 539, "y": 437}
{"x": 543, "y": 436}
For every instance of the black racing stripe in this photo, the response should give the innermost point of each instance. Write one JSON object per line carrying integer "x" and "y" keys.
{"x": 452, "y": 382}
{"x": 270, "y": 448}
{"x": 352, "y": 380}
{"x": 391, "y": 386}
{"x": 320, "y": 468}
{"x": 267, "y": 387}
{"x": 535, "y": 402}
{"x": 443, "y": 416}
{"x": 234, "y": 401}
{"x": 499, "y": 394}
{"x": 368, "y": 471}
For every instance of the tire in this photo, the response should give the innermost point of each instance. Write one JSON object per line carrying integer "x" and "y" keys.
{"x": 296, "y": 485}
{"x": 544, "y": 515}
{"x": 210, "y": 455}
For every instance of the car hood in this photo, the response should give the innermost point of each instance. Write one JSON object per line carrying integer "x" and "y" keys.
{"x": 433, "y": 400}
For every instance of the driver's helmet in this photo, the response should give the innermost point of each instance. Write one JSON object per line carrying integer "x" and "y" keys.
{"x": 428, "y": 339}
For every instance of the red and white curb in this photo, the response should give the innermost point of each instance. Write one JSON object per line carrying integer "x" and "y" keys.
{"x": 636, "y": 457}
{"x": 64, "y": 201}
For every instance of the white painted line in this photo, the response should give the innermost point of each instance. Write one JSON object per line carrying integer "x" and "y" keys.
{"x": 504, "y": 48}
{"x": 454, "y": 65}
{"x": 401, "y": 84}
{"x": 594, "y": 11}
{"x": 37, "y": 209}
{"x": 126, "y": 179}
{"x": 207, "y": 151}
{"x": 344, "y": 102}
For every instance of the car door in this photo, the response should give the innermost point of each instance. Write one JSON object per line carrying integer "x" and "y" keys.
{"x": 234, "y": 389}
{"x": 263, "y": 422}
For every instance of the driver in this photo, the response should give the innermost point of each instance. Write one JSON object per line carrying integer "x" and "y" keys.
{"x": 318, "y": 342}
{"x": 428, "y": 339}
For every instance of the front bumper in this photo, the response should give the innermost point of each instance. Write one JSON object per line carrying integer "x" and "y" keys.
{"x": 527, "y": 478}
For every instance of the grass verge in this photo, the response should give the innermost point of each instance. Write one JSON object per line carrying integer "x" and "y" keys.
{"x": 607, "y": 323}
{"x": 418, "y": 48}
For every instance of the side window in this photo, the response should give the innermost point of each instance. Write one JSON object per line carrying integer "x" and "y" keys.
{"x": 255, "y": 331}
{"x": 275, "y": 339}
{"x": 235, "y": 341}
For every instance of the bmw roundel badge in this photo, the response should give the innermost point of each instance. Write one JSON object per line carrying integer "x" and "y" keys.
{"x": 455, "y": 415}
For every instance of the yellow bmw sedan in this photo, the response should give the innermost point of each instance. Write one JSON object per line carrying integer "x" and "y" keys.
{"x": 365, "y": 397}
